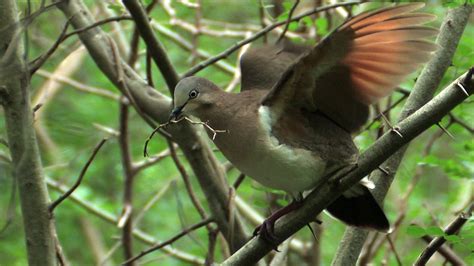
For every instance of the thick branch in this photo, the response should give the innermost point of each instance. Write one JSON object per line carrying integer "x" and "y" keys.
{"x": 382, "y": 149}
{"x": 448, "y": 38}
{"x": 156, "y": 49}
{"x": 26, "y": 161}
{"x": 157, "y": 106}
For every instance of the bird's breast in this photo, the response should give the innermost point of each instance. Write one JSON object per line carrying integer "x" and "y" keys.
{"x": 257, "y": 153}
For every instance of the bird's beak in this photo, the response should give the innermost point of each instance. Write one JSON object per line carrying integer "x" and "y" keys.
{"x": 176, "y": 113}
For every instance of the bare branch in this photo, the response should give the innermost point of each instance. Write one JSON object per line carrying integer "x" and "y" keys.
{"x": 169, "y": 241}
{"x": 38, "y": 62}
{"x": 156, "y": 49}
{"x": 446, "y": 252}
{"x": 288, "y": 21}
{"x": 437, "y": 242}
{"x": 79, "y": 179}
{"x": 140, "y": 235}
{"x": 126, "y": 220}
{"x": 187, "y": 182}
{"x": 257, "y": 35}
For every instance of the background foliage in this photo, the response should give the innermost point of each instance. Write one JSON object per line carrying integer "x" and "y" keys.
{"x": 72, "y": 121}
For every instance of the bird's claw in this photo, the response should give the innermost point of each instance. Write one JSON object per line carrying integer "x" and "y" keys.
{"x": 267, "y": 232}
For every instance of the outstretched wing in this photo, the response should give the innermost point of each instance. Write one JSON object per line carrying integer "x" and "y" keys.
{"x": 361, "y": 62}
{"x": 263, "y": 66}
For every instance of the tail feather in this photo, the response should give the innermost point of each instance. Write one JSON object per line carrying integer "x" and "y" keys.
{"x": 357, "y": 207}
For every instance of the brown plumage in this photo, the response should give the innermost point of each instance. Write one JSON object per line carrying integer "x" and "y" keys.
{"x": 292, "y": 124}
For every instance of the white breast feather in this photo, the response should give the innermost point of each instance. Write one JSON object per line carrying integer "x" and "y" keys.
{"x": 280, "y": 166}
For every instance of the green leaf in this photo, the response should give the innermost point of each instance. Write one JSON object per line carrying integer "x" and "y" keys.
{"x": 307, "y": 21}
{"x": 118, "y": 8}
{"x": 293, "y": 26}
{"x": 470, "y": 259}
{"x": 322, "y": 26}
{"x": 416, "y": 231}
{"x": 453, "y": 239}
{"x": 434, "y": 231}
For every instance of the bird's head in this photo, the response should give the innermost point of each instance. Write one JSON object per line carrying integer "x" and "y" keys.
{"x": 191, "y": 95}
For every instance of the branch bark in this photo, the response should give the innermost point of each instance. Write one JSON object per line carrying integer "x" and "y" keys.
{"x": 157, "y": 106}
{"x": 437, "y": 242}
{"x": 153, "y": 44}
{"x": 376, "y": 154}
{"x": 27, "y": 169}
{"x": 429, "y": 79}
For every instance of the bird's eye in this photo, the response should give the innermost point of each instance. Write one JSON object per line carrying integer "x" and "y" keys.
{"x": 193, "y": 94}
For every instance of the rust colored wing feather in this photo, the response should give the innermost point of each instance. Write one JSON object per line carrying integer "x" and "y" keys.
{"x": 361, "y": 62}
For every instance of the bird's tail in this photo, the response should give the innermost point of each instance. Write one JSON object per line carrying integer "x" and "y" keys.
{"x": 357, "y": 207}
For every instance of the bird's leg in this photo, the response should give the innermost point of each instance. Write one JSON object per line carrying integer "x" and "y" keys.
{"x": 266, "y": 229}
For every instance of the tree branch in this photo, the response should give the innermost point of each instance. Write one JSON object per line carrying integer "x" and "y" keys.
{"x": 446, "y": 252}
{"x": 154, "y": 46}
{"x": 259, "y": 34}
{"x": 26, "y": 161}
{"x": 437, "y": 242}
{"x": 138, "y": 234}
{"x": 382, "y": 149}
{"x": 79, "y": 179}
{"x": 157, "y": 106}
{"x": 169, "y": 241}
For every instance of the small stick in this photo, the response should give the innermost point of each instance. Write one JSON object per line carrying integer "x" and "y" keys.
{"x": 161, "y": 126}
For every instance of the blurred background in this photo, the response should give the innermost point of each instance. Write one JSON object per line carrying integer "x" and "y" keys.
{"x": 80, "y": 106}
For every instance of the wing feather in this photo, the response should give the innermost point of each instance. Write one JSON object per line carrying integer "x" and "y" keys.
{"x": 361, "y": 62}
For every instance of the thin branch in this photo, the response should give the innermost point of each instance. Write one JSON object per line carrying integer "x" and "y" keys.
{"x": 437, "y": 242}
{"x": 164, "y": 188}
{"x": 154, "y": 159}
{"x": 446, "y": 252}
{"x": 169, "y": 241}
{"x": 239, "y": 181}
{"x": 111, "y": 219}
{"x": 211, "y": 246}
{"x": 257, "y": 35}
{"x": 149, "y": 70}
{"x": 187, "y": 182}
{"x": 78, "y": 85}
{"x": 129, "y": 173}
{"x": 463, "y": 124}
{"x": 79, "y": 179}
{"x": 288, "y": 22}
{"x": 160, "y": 127}
{"x": 261, "y": 15}
{"x": 156, "y": 49}
{"x": 183, "y": 43}
{"x": 394, "y": 250}
{"x": 38, "y": 62}
{"x": 133, "y": 56}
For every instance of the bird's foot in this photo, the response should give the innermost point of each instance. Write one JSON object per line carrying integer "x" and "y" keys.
{"x": 267, "y": 229}
{"x": 267, "y": 232}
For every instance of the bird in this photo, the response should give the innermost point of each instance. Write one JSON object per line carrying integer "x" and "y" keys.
{"x": 293, "y": 123}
